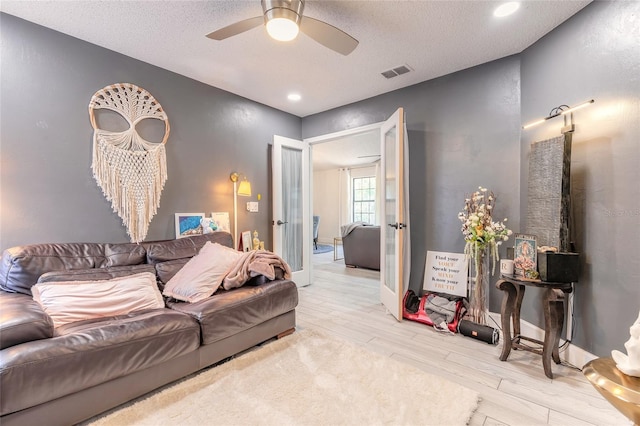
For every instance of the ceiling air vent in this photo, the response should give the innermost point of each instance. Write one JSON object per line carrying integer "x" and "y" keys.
{"x": 394, "y": 72}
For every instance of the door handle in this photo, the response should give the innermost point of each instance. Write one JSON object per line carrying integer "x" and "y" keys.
{"x": 279, "y": 222}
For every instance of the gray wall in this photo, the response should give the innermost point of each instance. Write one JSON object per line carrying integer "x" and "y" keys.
{"x": 464, "y": 131}
{"x": 594, "y": 55}
{"x": 47, "y": 191}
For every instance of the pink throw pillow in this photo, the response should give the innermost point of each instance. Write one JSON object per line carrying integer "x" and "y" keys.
{"x": 201, "y": 276}
{"x": 71, "y": 301}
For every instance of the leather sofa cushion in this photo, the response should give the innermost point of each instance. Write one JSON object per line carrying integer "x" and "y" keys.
{"x": 87, "y": 353}
{"x": 95, "y": 274}
{"x": 22, "y": 266}
{"x": 229, "y": 312}
{"x": 22, "y": 320}
{"x": 182, "y": 248}
{"x": 124, "y": 254}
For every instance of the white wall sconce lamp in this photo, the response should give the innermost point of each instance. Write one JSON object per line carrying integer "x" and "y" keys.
{"x": 244, "y": 190}
{"x": 558, "y": 111}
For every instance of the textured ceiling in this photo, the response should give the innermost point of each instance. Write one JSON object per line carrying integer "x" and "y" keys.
{"x": 433, "y": 38}
{"x": 356, "y": 150}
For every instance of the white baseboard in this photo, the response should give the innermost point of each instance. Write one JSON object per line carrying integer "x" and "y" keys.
{"x": 571, "y": 354}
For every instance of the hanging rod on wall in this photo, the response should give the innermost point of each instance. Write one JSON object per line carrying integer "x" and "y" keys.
{"x": 558, "y": 111}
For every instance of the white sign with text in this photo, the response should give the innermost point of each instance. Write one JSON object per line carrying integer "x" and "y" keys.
{"x": 446, "y": 273}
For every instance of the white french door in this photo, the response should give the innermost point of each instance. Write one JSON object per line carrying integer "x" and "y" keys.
{"x": 291, "y": 206}
{"x": 393, "y": 224}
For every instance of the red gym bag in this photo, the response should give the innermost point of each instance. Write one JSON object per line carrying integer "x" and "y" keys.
{"x": 419, "y": 313}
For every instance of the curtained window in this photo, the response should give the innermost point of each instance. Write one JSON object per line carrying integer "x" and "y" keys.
{"x": 364, "y": 199}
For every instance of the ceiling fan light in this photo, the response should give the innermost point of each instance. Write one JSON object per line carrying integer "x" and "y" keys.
{"x": 506, "y": 9}
{"x": 282, "y": 29}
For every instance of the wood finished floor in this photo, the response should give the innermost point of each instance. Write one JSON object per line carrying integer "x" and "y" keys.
{"x": 344, "y": 302}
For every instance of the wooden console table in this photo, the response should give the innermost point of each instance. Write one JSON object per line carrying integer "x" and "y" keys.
{"x": 553, "y": 306}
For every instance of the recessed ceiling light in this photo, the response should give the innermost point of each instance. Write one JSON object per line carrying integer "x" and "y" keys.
{"x": 294, "y": 97}
{"x": 506, "y": 9}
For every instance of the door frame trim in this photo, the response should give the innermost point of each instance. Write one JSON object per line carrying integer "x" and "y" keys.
{"x": 343, "y": 133}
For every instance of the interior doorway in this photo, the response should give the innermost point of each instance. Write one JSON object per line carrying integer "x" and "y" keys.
{"x": 390, "y": 213}
{"x": 336, "y": 157}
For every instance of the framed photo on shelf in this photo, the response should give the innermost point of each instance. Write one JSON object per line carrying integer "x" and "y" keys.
{"x": 525, "y": 254}
{"x": 246, "y": 241}
{"x": 222, "y": 221}
{"x": 188, "y": 224}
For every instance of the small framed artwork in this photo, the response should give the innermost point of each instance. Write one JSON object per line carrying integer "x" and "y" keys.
{"x": 246, "y": 241}
{"x": 525, "y": 254}
{"x": 188, "y": 224}
{"x": 221, "y": 220}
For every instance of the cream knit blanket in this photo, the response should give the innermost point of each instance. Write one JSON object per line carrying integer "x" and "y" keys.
{"x": 254, "y": 263}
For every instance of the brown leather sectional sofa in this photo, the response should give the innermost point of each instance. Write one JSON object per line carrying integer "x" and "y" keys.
{"x": 66, "y": 375}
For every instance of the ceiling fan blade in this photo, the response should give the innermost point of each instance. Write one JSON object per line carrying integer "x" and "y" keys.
{"x": 237, "y": 28}
{"x": 328, "y": 35}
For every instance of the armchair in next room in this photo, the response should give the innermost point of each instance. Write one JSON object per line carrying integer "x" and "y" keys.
{"x": 361, "y": 244}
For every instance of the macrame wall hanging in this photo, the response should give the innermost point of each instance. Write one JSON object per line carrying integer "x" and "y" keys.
{"x": 130, "y": 170}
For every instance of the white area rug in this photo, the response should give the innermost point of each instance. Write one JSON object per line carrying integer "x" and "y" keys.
{"x": 307, "y": 378}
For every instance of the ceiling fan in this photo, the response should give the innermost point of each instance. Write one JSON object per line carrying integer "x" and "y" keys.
{"x": 283, "y": 19}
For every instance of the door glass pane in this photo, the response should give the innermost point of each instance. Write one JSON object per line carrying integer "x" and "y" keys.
{"x": 390, "y": 208}
{"x": 292, "y": 245}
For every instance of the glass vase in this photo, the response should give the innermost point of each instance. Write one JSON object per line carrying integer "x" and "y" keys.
{"x": 480, "y": 281}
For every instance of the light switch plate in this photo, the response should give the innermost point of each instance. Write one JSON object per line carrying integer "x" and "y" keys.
{"x": 252, "y": 206}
